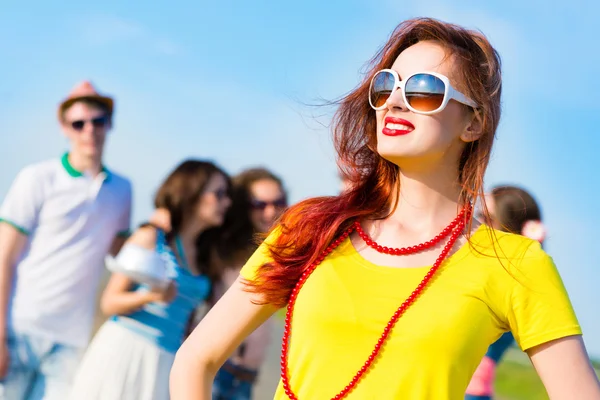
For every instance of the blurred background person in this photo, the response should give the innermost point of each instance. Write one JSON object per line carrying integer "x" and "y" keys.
{"x": 258, "y": 199}
{"x": 511, "y": 209}
{"x": 58, "y": 221}
{"x": 131, "y": 355}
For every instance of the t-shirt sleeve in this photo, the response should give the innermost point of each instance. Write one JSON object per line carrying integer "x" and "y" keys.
{"x": 260, "y": 257}
{"x": 540, "y": 309}
{"x": 125, "y": 219}
{"x": 23, "y": 202}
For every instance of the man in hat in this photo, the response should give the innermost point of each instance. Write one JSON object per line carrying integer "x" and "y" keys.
{"x": 57, "y": 223}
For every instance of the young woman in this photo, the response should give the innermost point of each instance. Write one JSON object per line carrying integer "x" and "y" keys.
{"x": 511, "y": 209}
{"x": 392, "y": 290}
{"x": 131, "y": 355}
{"x": 258, "y": 199}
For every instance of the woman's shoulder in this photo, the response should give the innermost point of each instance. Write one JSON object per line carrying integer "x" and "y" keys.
{"x": 509, "y": 251}
{"x": 145, "y": 236}
{"x": 492, "y": 241}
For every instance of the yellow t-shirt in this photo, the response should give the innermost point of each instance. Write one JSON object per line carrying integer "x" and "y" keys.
{"x": 480, "y": 292}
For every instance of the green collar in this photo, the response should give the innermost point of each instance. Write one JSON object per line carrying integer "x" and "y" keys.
{"x": 75, "y": 173}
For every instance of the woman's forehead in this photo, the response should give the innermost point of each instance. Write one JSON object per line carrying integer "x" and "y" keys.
{"x": 423, "y": 56}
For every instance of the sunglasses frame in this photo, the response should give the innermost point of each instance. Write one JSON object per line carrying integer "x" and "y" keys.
{"x": 449, "y": 92}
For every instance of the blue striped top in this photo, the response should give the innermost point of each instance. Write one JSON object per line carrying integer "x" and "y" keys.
{"x": 165, "y": 324}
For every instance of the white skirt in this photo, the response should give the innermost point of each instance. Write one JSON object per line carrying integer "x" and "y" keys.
{"x": 122, "y": 365}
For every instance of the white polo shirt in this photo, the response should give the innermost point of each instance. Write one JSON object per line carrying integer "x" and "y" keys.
{"x": 71, "y": 220}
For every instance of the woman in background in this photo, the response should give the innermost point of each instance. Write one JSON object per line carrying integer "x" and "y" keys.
{"x": 511, "y": 209}
{"x": 132, "y": 353}
{"x": 258, "y": 199}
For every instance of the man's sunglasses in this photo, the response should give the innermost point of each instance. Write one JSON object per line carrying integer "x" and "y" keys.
{"x": 99, "y": 122}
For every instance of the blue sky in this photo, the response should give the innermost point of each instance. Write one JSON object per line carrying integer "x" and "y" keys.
{"x": 230, "y": 82}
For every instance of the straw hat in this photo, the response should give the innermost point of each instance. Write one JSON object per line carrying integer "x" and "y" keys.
{"x": 85, "y": 91}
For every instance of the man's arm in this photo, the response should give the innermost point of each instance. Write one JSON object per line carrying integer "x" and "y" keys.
{"x": 12, "y": 243}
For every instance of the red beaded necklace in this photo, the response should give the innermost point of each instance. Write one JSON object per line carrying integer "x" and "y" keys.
{"x": 453, "y": 230}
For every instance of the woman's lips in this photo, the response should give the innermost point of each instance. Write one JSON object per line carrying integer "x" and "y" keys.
{"x": 397, "y": 127}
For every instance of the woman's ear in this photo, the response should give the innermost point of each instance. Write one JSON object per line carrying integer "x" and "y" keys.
{"x": 474, "y": 129}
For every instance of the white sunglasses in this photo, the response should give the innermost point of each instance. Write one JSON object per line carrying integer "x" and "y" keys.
{"x": 422, "y": 92}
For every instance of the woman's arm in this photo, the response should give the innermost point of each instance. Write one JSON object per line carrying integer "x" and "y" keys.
{"x": 117, "y": 297}
{"x": 565, "y": 369}
{"x": 221, "y": 331}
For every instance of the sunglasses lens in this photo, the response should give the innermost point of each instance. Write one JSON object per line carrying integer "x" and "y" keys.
{"x": 221, "y": 194}
{"x": 259, "y": 205}
{"x": 78, "y": 125}
{"x": 382, "y": 86}
{"x": 425, "y": 92}
{"x": 262, "y": 205}
{"x": 280, "y": 203}
{"x": 99, "y": 122}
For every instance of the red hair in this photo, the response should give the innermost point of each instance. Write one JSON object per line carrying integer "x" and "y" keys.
{"x": 307, "y": 228}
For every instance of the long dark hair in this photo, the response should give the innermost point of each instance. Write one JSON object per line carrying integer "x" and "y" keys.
{"x": 180, "y": 192}
{"x": 233, "y": 243}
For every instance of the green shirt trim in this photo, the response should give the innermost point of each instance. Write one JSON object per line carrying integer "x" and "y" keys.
{"x": 16, "y": 226}
{"x": 75, "y": 173}
{"x": 124, "y": 234}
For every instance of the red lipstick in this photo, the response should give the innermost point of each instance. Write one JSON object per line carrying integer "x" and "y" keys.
{"x": 394, "y": 129}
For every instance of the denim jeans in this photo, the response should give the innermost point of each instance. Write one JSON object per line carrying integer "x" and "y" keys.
{"x": 227, "y": 387}
{"x": 38, "y": 368}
